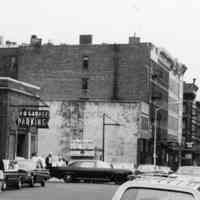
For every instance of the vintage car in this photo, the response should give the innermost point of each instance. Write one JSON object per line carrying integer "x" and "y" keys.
{"x": 158, "y": 188}
{"x": 17, "y": 173}
{"x": 90, "y": 170}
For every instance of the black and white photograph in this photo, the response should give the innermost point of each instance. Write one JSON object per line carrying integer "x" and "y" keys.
{"x": 100, "y": 100}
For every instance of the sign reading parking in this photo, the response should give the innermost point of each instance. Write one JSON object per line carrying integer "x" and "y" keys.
{"x": 33, "y": 118}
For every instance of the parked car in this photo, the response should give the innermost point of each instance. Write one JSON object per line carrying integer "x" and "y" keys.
{"x": 158, "y": 188}
{"x": 90, "y": 170}
{"x": 35, "y": 172}
{"x": 17, "y": 173}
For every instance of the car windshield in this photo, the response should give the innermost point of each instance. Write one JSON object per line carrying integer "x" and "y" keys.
{"x": 154, "y": 194}
{"x": 101, "y": 164}
{"x": 189, "y": 170}
{"x": 26, "y": 165}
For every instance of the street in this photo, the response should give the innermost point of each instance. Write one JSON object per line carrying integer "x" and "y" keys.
{"x": 62, "y": 191}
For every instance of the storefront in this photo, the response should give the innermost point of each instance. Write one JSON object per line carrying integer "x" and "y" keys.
{"x": 18, "y": 133}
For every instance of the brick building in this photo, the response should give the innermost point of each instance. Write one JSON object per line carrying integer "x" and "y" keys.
{"x": 191, "y": 125}
{"x": 76, "y": 78}
{"x": 15, "y": 140}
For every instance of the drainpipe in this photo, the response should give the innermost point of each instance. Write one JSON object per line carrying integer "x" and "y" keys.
{"x": 115, "y": 71}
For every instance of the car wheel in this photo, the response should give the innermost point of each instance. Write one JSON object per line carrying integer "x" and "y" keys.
{"x": 118, "y": 180}
{"x": 67, "y": 178}
{"x": 43, "y": 182}
{"x": 32, "y": 182}
{"x": 19, "y": 183}
{"x": 3, "y": 186}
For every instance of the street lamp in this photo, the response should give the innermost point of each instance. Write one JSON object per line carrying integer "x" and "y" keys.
{"x": 155, "y": 130}
{"x": 103, "y": 136}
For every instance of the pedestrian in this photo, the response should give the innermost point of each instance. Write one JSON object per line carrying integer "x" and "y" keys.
{"x": 65, "y": 161}
{"x": 60, "y": 162}
{"x": 48, "y": 161}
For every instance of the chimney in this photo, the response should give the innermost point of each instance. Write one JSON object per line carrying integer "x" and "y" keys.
{"x": 85, "y": 39}
{"x": 35, "y": 41}
{"x": 134, "y": 40}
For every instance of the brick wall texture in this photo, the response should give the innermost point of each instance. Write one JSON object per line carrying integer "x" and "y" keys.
{"x": 58, "y": 71}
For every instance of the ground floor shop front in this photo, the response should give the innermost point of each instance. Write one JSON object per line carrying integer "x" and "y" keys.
{"x": 16, "y": 140}
{"x": 22, "y": 143}
{"x": 167, "y": 154}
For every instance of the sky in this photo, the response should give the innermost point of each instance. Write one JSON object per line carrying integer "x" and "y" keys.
{"x": 172, "y": 24}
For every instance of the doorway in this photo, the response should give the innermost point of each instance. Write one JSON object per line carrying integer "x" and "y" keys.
{"x": 21, "y": 145}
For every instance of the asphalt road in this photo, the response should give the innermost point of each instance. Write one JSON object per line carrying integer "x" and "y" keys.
{"x": 62, "y": 191}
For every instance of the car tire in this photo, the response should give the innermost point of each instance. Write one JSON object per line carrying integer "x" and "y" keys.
{"x": 43, "y": 182}
{"x": 3, "y": 186}
{"x": 119, "y": 180}
{"x": 67, "y": 178}
{"x": 19, "y": 183}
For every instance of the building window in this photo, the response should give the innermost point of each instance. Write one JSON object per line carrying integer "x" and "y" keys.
{"x": 84, "y": 83}
{"x": 144, "y": 123}
{"x": 85, "y": 62}
{"x": 184, "y": 108}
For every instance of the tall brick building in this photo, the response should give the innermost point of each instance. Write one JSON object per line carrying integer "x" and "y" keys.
{"x": 191, "y": 125}
{"x": 124, "y": 81}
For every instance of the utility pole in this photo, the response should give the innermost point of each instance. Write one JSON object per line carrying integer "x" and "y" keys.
{"x": 103, "y": 134}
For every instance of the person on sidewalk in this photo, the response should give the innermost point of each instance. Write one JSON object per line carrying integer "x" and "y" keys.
{"x": 49, "y": 161}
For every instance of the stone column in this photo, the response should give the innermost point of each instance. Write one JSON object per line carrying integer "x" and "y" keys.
{"x": 29, "y": 145}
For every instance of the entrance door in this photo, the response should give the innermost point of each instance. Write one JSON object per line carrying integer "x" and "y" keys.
{"x": 21, "y": 145}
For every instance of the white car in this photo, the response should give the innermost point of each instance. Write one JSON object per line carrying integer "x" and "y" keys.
{"x": 158, "y": 189}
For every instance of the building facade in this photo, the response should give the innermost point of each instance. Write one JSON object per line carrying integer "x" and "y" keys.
{"x": 191, "y": 125}
{"x": 16, "y": 140}
{"x": 115, "y": 79}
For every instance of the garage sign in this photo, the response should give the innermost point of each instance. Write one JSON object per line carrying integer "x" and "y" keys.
{"x": 33, "y": 118}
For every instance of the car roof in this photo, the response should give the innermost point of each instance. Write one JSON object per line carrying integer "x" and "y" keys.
{"x": 165, "y": 183}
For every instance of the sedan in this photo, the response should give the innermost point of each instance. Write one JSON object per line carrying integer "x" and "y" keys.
{"x": 35, "y": 173}
{"x": 17, "y": 173}
{"x": 90, "y": 170}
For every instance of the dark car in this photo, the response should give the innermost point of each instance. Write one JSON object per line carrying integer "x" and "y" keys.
{"x": 17, "y": 173}
{"x": 90, "y": 170}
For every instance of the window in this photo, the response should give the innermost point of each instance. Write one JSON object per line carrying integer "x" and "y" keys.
{"x": 84, "y": 83}
{"x": 100, "y": 164}
{"x": 173, "y": 123}
{"x": 85, "y": 62}
{"x": 83, "y": 164}
{"x": 155, "y": 194}
{"x": 144, "y": 123}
